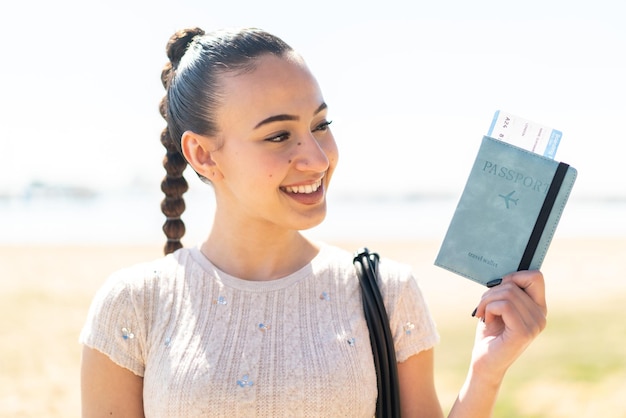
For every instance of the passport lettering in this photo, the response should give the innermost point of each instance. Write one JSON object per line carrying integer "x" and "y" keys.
{"x": 516, "y": 177}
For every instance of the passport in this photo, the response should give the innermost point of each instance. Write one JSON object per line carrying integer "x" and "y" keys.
{"x": 507, "y": 214}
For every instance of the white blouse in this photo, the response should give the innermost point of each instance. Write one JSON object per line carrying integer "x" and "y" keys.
{"x": 210, "y": 344}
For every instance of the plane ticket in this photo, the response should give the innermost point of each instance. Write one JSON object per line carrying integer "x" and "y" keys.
{"x": 525, "y": 134}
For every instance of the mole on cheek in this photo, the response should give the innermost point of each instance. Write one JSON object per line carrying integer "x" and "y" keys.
{"x": 299, "y": 143}
{"x": 289, "y": 161}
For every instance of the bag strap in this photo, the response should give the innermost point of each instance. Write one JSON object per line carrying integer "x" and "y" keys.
{"x": 388, "y": 402}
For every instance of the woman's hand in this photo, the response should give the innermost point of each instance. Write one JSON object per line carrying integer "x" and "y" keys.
{"x": 512, "y": 314}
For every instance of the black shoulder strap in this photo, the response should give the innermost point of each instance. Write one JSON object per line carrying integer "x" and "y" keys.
{"x": 388, "y": 402}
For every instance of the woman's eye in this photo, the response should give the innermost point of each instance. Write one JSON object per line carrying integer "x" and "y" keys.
{"x": 278, "y": 138}
{"x": 323, "y": 126}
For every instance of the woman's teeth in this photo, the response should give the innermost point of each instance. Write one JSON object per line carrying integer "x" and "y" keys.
{"x": 309, "y": 188}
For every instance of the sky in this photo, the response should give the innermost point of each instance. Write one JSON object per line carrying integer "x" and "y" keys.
{"x": 412, "y": 86}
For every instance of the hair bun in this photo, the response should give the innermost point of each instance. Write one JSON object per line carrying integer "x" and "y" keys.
{"x": 178, "y": 43}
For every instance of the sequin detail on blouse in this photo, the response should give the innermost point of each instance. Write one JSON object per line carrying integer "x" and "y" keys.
{"x": 408, "y": 327}
{"x": 127, "y": 334}
{"x": 245, "y": 381}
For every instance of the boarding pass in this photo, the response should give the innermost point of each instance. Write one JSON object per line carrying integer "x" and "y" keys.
{"x": 526, "y": 134}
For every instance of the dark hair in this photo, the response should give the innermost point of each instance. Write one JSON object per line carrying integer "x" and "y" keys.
{"x": 191, "y": 78}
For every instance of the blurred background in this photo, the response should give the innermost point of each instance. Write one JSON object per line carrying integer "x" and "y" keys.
{"x": 412, "y": 87}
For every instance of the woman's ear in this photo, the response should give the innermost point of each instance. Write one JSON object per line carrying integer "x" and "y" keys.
{"x": 198, "y": 150}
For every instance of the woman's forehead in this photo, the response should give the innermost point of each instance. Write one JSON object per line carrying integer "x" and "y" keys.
{"x": 275, "y": 85}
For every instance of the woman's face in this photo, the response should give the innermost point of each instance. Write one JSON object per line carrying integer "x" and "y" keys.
{"x": 277, "y": 153}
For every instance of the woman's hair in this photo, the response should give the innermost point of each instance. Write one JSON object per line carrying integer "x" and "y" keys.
{"x": 192, "y": 81}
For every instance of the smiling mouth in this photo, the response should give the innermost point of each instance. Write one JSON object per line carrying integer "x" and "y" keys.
{"x": 304, "y": 189}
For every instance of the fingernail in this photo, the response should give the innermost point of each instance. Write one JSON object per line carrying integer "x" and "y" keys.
{"x": 474, "y": 312}
{"x": 494, "y": 282}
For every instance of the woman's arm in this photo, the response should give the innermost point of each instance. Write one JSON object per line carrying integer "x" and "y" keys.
{"x": 418, "y": 397}
{"x": 512, "y": 314}
{"x": 109, "y": 390}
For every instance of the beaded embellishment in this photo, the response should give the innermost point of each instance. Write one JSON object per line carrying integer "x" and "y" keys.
{"x": 245, "y": 381}
{"x": 221, "y": 300}
{"x": 127, "y": 334}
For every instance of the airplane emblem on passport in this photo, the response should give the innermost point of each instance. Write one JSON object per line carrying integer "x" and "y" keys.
{"x": 508, "y": 198}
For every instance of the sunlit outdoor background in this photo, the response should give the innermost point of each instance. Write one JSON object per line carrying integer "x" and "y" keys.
{"x": 412, "y": 87}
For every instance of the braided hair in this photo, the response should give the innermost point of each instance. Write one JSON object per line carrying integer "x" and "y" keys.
{"x": 191, "y": 80}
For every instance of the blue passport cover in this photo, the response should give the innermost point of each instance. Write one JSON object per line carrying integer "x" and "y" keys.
{"x": 498, "y": 211}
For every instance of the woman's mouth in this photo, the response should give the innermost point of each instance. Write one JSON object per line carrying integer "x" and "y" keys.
{"x": 308, "y": 194}
{"x": 307, "y": 188}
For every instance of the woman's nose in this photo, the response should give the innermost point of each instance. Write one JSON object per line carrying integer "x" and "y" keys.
{"x": 312, "y": 155}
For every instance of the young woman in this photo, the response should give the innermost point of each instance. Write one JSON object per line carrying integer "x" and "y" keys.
{"x": 258, "y": 320}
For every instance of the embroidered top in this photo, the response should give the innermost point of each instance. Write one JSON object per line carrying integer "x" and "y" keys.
{"x": 210, "y": 344}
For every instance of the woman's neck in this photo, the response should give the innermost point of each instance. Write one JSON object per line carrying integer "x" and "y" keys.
{"x": 258, "y": 255}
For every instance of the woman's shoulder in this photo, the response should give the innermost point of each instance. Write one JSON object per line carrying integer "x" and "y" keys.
{"x": 139, "y": 287}
{"x": 340, "y": 258}
{"x": 148, "y": 273}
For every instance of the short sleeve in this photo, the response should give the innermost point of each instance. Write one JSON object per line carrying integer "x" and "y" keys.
{"x": 114, "y": 324}
{"x": 411, "y": 322}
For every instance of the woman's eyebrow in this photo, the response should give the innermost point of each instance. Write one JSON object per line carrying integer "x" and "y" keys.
{"x": 284, "y": 117}
{"x": 319, "y": 109}
{"x": 276, "y": 118}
